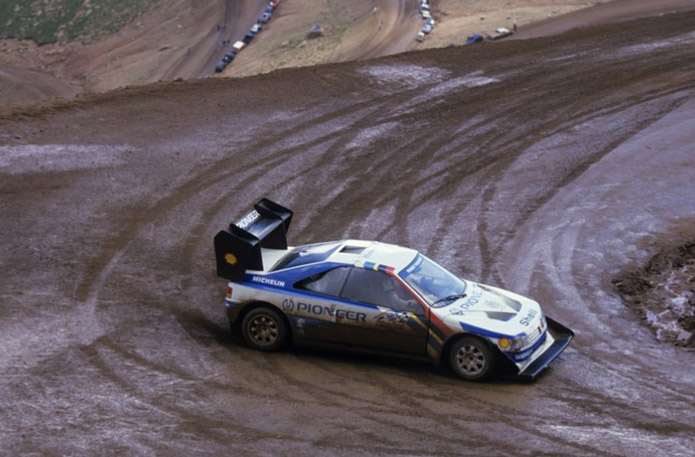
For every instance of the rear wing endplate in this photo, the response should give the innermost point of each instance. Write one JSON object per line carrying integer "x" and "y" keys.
{"x": 238, "y": 248}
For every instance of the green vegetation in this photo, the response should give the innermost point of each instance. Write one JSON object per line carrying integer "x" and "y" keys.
{"x": 340, "y": 17}
{"x": 49, "y": 21}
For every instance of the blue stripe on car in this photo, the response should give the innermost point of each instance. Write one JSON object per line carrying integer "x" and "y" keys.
{"x": 483, "y": 332}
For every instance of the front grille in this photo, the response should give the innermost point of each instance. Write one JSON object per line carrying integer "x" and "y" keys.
{"x": 534, "y": 335}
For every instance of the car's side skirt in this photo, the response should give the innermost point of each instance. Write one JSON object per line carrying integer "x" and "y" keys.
{"x": 321, "y": 345}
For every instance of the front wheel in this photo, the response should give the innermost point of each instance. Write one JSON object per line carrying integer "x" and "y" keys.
{"x": 472, "y": 359}
{"x": 264, "y": 329}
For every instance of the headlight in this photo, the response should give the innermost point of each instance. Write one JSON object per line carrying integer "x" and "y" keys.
{"x": 519, "y": 343}
{"x": 513, "y": 344}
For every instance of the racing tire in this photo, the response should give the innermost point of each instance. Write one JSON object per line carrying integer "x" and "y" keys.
{"x": 264, "y": 329}
{"x": 472, "y": 359}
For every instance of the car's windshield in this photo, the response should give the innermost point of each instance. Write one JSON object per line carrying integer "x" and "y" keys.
{"x": 434, "y": 283}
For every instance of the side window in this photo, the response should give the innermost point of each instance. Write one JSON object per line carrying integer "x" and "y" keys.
{"x": 377, "y": 288}
{"x": 326, "y": 283}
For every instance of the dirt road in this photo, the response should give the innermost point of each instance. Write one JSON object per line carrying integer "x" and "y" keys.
{"x": 541, "y": 166}
{"x": 389, "y": 28}
{"x": 238, "y": 18}
{"x": 611, "y": 12}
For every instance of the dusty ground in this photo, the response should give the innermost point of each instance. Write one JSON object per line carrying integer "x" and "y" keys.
{"x": 544, "y": 166}
{"x": 181, "y": 39}
{"x": 19, "y": 85}
{"x": 603, "y": 13}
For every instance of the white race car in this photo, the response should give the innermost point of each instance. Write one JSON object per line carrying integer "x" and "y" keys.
{"x": 375, "y": 297}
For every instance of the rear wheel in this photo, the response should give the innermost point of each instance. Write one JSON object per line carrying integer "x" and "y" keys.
{"x": 472, "y": 359}
{"x": 264, "y": 329}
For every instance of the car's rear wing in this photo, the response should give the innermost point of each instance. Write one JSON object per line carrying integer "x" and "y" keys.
{"x": 238, "y": 248}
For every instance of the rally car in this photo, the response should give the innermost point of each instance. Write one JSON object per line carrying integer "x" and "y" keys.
{"x": 375, "y": 297}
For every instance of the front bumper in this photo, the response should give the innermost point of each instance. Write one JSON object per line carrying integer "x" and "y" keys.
{"x": 562, "y": 336}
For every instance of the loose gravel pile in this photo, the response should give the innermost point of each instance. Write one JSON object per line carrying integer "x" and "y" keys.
{"x": 664, "y": 294}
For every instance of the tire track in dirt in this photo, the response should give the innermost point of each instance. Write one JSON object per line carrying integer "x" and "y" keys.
{"x": 329, "y": 393}
{"x": 552, "y": 129}
{"x": 207, "y": 178}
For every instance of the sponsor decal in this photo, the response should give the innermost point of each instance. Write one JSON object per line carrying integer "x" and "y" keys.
{"x": 230, "y": 258}
{"x": 249, "y": 219}
{"x": 436, "y": 338}
{"x": 526, "y": 320}
{"x": 413, "y": 266}
{"x": 268, "y": 281}
{"x": 378, "y": 267}
{"x": 391, "y": 319}
{"x": 288, "y": 305}
{"x": 473, "y": 299}
{"x": 321, "y": 310}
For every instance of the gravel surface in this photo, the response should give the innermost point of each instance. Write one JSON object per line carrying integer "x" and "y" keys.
{"x": 547, "y": 167}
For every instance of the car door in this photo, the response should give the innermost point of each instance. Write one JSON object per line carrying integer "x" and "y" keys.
{"x": 395, "y": 321}
{"x": 317, "y": 312}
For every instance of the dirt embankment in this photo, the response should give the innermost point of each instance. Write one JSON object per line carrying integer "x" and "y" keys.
{"x": 180, "y": 38}
{"x": 663, "y": 291}
{"x": 183, "y": 39}
{"x": 18, "y": 85}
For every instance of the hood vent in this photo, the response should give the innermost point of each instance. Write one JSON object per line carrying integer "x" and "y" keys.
{"x": 499, "y": 315}
{"x": 513, "y": 304}
{"x": 352, "y": 249}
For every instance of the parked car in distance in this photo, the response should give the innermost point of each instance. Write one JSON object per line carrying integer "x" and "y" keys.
{"x": 420, "y": 37}
{"x": 501, "y": 33}
{"x": 221, "y": 65}
{"x": 270, "y": 9}
{"x": 427, "y": 28}
{"x": 248, "y": 37}
{"x": 239, "y": 45}
{"x": 265, "y": 17}
{"x": 228, "y": 57}
{"x": 255, "y": 28}
{"x": 475, "y": 38}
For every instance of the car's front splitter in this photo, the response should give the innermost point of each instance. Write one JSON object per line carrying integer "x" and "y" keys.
{"x": 562, "y": 336}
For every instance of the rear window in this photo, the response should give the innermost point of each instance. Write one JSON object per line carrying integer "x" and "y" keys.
{"x": 304, "y": 255}
{"x": 327, "y": 283}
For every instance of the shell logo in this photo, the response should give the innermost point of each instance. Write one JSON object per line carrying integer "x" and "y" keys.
{"x": 230, "y": 258}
